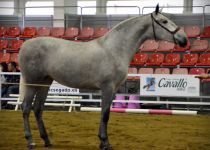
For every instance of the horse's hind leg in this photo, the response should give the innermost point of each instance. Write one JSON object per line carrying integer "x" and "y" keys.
{"x": 38, "y": 109}
{"x": 28, "y": 97}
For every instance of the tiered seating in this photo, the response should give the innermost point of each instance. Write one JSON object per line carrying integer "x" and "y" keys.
{"x": 132, "y": 70}
{"x": 204, "y": 60}
{"x": 139, "y": 59}
{"x": 149, "y": 46}
{"x": 171, "y": 59}
{"x": 165, "y": 46}
{"x": 206, "y": 32}
{"x": 14, "y": 57}
{"x": 3, "y": 44}
{"x": 3, "y": 31}
{"x": 29, "y": 32}
{"x": 15, "y": 45}
{"x": 13, "y": 32}
{"x": 162, "y": 71}
{"x": 199, "y": 46}
{"x": 146, "y": 71}
{"x": 71, "y": 33}
{"x": 196, "y": 71}
{"x": 155, "y": 59}
{"x": 179, "y": 71}
{"x": 57, "y": 32}
{"x": 5, "y": 57}
{"x": 189, "y": 59}
{"x": 86, "y": 33}
{"x": 192, "y": 31}
{"x": 43, "y": 31}
{"x": 100, "y": 31}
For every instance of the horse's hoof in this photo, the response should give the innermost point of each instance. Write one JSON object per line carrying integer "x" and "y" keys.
{"x": 31, "y": 146}
{"x": 48, "y": 145}
{"x": 106, "y": 147}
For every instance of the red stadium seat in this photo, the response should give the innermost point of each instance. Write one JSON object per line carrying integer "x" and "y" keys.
{"x": 3, "y": 44}
{"x": 171, "y": 59}
{"x": 57, "y": 32}
{"x": 192, "y": 31}
{"x": 149, "y": 46}
{"x": 132, "y": 70}
{"x": 71, "y": 33}
{"x": 183, "y": 71}
{"x": 196, "y": 71}
{"x": 155, "y": 59}
{"x": 29, "y": 32}
{"x": 189, "y": 59}
{"x": 43, "y": 31}
{"x": 162, "y": 71}
{"x": 13, "y": 32}
{"x": 3, "y": 31}
{"x": 5, "y": 57}
{"x": 199, "y": 46}
{"x": 204, "y": 60}
{"x": 146, "y": 71}
{"x": 139, "y": 59}
{"x": 165, "y": 46}
{"x": 100, "y": 31}
{"x": 14, "y": 57}
{"x": 206, "y": 32}
{"x": 15, "y": 45}
{"x": 86, "y": 33}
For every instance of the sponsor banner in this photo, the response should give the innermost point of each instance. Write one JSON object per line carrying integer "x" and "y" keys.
{"x": 57, "y": 88}
{"x": 169, "y": 85}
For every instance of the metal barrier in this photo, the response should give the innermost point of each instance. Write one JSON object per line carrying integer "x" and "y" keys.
{"x": 82, "y": 8}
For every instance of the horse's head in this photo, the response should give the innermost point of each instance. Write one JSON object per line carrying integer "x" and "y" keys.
{"x": 164, "y": 29}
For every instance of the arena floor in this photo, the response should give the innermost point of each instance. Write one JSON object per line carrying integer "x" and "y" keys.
{"x": 78, "y": 131}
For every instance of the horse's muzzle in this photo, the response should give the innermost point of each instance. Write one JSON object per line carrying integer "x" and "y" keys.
{"x": 180, "y": 39}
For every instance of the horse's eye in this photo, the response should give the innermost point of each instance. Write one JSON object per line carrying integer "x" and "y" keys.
{"x": 165, "y": 21}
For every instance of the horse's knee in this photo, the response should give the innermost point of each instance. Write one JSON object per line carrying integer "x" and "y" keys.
{"x": 25, "y": 109}
{"x": 37, "y": 112}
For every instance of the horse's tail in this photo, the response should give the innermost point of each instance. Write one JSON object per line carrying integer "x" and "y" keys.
{"x": 22, "y": 87}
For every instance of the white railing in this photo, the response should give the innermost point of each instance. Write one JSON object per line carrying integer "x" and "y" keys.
{"x": 69, "y": 101}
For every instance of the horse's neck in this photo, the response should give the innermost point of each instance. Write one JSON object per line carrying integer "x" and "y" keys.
{"x": 125, "y": 39}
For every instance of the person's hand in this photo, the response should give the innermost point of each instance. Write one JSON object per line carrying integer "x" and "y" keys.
{"x": 203, "y": 76}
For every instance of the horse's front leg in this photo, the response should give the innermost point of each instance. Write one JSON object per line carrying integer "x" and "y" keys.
{"x": 107, "y": 97}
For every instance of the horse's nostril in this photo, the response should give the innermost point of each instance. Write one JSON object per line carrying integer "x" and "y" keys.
{"x": 183, "y": 42}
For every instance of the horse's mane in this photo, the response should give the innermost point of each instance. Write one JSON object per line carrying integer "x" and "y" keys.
{"x": 126, "y": 21}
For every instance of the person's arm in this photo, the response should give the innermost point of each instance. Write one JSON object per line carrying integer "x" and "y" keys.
{"x": 203, "y": 76}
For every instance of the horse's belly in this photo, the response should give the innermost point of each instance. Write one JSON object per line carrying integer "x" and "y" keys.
{"x": 78, "y": 82}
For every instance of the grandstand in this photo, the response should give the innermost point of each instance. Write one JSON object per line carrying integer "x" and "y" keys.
{"x": 82, "y": 21}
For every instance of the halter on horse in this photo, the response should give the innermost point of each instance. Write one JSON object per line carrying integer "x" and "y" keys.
{"x": 98, "y": 64}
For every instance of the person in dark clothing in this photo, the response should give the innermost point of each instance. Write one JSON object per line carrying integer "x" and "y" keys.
{"x": 11, "y": 88}
{"x": 3, "y": 68}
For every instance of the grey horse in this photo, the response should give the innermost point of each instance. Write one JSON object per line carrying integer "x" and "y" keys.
{"x": 97, "y": 64}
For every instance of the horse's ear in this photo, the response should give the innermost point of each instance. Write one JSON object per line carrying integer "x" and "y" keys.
{"x": 157, "y": 9}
